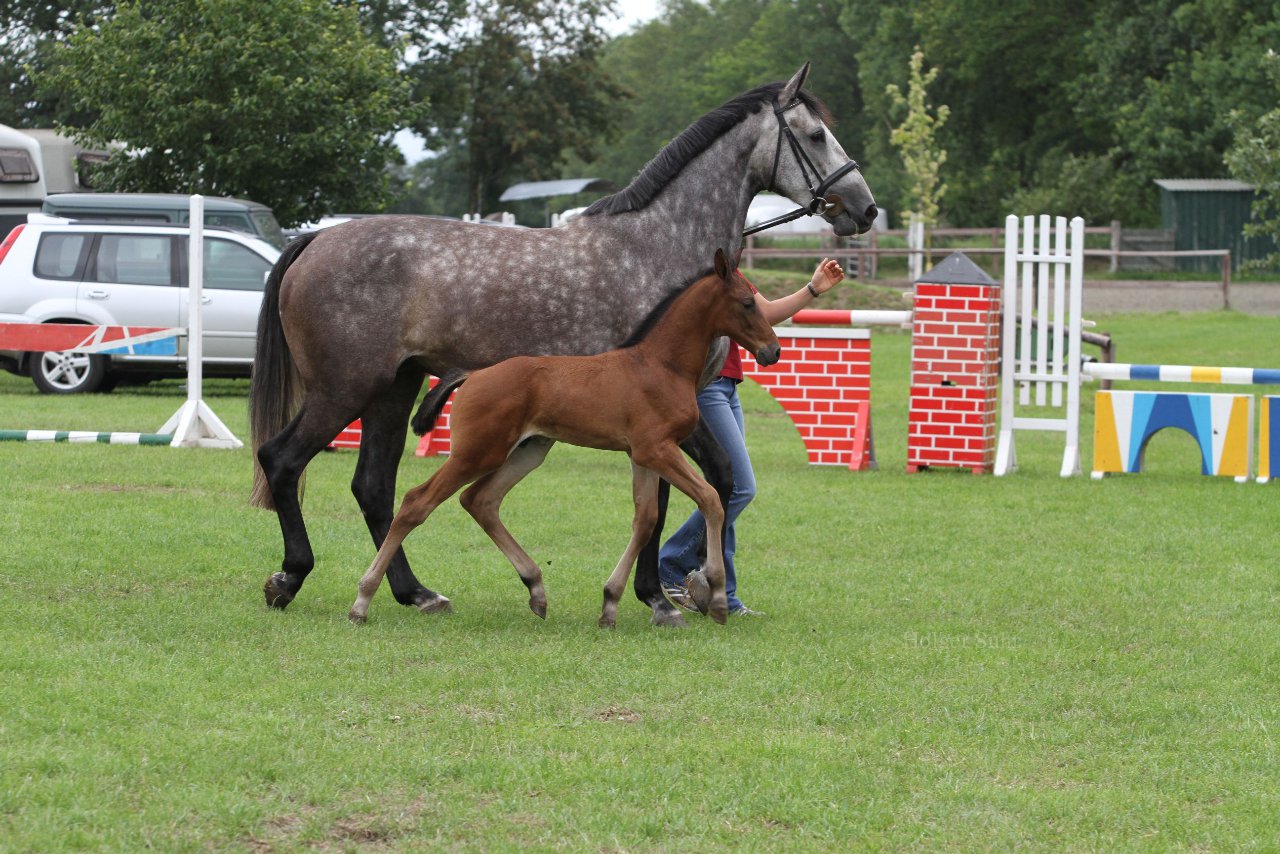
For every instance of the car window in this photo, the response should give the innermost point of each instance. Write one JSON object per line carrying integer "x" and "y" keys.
{"x": 269, "y": 228}
{"x": 233, "y": 267}
{"x": 59, "y": 256}
{"x": 135, "y": 259}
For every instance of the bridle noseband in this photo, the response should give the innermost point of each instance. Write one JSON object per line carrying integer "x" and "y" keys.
{"x": 821, "y": 202}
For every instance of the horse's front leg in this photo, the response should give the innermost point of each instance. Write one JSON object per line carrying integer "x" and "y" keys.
{"x": 384, "y": 425}
{"x": 671, "y": 464}
{"x": 644, "y": 494}
{"x": 702, "y": 447}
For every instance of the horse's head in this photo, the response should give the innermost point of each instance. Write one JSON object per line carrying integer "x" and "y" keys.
{"x": 809, "y": 166}
{"x": 739, "y": 317}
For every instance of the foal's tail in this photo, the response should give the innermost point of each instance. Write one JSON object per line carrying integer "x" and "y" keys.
{"x": 434, "y": 400}
{"x": 273, "y": 392}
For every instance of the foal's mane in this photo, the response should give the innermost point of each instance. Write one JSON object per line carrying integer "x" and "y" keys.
{"x": 651, "y": 320}
{"x": 691, "y": 142}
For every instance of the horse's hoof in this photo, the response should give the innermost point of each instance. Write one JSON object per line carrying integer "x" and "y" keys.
{"x": 606, "y": 623}
{"x": 276, "y": 594}
{"x": 695, "y": 584}
{"x": 437, "y": 605}
{"x": 539, "y": 608}
{"x": 720, "y": 615}
{"x": 356, "y": 617}
{"x": 668, "y": 619}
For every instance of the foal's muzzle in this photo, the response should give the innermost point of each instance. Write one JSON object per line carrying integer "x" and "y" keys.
{"x": 769, "y": 355}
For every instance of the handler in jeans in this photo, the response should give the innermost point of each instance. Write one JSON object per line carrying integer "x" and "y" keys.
{"x": 719, "y": 405}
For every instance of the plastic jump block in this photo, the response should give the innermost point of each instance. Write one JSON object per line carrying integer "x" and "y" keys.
{"x": 1221, "y": 424}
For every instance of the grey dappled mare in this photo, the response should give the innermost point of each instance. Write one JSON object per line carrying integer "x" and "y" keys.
{"x": 355, "y": 316}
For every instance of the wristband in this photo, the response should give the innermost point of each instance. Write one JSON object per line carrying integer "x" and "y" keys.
{"x": 812, "y": 289}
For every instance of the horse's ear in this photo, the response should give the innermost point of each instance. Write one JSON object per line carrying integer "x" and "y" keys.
{"x": 722, "y": 264}
{"x": 737, "y": 258}
{"x": 792, "y": 90}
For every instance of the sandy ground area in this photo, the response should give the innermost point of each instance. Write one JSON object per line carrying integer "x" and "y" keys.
{"x": 1106, "y": 297}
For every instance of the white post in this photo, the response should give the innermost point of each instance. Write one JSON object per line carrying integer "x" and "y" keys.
{"x": 194, "y": 425}
{"x": 915, "y": 241}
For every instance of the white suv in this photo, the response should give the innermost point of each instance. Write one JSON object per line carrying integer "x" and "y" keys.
{"x": 55, "y": 270}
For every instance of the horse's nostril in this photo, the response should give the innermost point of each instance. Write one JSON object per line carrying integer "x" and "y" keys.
{"x": 871, "y": 213}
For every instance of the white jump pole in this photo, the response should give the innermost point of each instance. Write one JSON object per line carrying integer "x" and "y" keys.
{"x": 194, "y": 425}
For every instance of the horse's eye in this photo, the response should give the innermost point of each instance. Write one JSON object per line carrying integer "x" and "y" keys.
{"x": 749, "y": 302}
{"x": 818, "y": 135}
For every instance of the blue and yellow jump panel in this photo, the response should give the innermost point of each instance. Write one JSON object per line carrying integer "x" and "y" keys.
{"x": 1269, "y": 438}
{"x": 1221, "y": 424}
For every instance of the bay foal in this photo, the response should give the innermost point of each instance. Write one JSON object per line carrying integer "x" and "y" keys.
{"x": 640, "y": 398}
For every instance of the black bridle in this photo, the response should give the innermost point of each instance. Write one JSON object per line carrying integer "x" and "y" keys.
{"x": 821, "y": 202}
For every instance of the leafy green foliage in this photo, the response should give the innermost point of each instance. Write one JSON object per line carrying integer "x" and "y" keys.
{"x": 518, "y": 89}
{"x": 916, "y": 139}
{"x": 287, "y": 103}
{"x": 1255, "y": 157}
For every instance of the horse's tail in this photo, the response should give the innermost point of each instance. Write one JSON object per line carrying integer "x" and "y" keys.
{"x": 434, "y": 400}
{"x": 273, "y": 391}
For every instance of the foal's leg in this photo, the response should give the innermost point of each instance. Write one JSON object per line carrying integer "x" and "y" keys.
{"x": 384, "y": 424}
{"x": 283, "y": 459}
{"x": 484, "y": 499}
{"x": 668, "y": 462}
{"x": 644, "y": 494}
{"x": 714, "y": 462}
{"x": 414, "y": 510}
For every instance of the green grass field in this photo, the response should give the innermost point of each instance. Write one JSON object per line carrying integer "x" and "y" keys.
{"x": 949, "y": 662}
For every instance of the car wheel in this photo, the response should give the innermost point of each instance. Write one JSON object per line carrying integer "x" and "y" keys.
{"x": 69, "y": 372}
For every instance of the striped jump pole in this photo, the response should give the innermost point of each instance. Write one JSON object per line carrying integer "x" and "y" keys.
{"x": 78, "y": 437}
{"x": 850, "y": 317}
{"x": 1182, "y": 374}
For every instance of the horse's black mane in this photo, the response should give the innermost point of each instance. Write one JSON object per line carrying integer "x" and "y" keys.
{"x": 691, "y": 142}
{"x": 651, "y": 320}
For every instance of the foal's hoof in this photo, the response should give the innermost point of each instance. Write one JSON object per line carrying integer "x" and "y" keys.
{"x": 695, "y": 584}
{"x": 274, "y": 591}
{"x": 539, "y": 608}
{"x": 435, "y": 605}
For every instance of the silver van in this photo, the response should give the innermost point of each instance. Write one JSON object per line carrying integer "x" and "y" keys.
{"x": 238, "y": 214}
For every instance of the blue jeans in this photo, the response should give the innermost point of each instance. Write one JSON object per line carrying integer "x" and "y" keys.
{"x": 719, "y": 405}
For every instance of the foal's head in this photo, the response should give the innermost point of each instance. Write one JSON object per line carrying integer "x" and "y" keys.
{"x": 737, "y": 315}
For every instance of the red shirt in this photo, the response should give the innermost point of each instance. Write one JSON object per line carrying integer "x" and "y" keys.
{"x": 733, "y": 359}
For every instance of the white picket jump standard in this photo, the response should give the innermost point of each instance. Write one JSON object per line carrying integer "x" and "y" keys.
{"x": 1053, "y": 305}
{"x": 194, "y": 425}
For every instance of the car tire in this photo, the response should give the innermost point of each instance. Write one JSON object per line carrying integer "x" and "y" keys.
{"x": 70, "y": 372}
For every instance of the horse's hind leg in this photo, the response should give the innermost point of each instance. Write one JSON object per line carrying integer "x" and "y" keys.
{"x": 484, "y": 499}
{"x": 418, "y": 504}
{"x": 384, "y": 425}
{"x": 644, "y": 494}
{"x": 283, "y": 459}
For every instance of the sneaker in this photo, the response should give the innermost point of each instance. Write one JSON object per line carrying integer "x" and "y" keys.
{"x": 744, "y": 611}
{"x": 679, "y": 596}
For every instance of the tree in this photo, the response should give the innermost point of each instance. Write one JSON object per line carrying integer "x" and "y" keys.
{"x": 518, "y": 89}
{"x": 288, "y": 103}
{"x": 916, "y": 139}
{"x": 1255, "y": 157}
{"x": 29, "y": 31}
